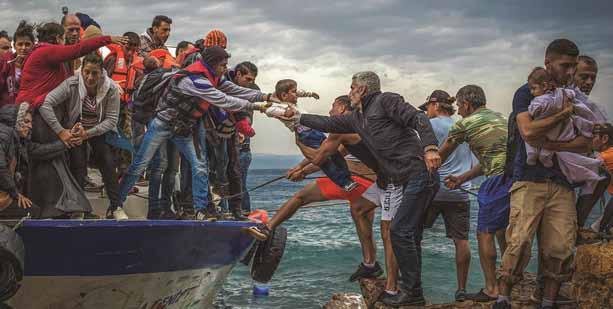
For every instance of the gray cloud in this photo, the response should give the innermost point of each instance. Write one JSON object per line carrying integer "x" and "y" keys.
{"x": 416, "y": 46}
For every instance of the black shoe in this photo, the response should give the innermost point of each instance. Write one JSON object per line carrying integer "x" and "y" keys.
{"x": 260, "y": 231}
{"x": 501, "y": 305}
{"x": 386, "y": 295}
{"x": 366, "y": 272}
{"x": 460, "y": 295}
{"x": 187, "y": 214}
{"x": 404, "y": 298}
{"x": 480, "y": 297}
{"x": 162, "y": 214}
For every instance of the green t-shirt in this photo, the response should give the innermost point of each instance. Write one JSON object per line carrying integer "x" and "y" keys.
{"x": 485, "y": 132}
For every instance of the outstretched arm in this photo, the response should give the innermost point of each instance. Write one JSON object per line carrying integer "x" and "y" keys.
{"x": 335, "y": 124}
{"x": 446, "y": 149}
{"x": 62, "y": 53}
{"x": 455, "y": 181}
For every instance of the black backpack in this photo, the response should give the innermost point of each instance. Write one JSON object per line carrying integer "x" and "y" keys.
{"x": 146, "y": 97}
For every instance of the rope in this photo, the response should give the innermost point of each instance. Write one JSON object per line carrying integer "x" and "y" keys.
{"x": 261, "y": 186}
{"x": 20, "y": 223}
{"x": 316, "y": 205}
{"x": 231, "y": 196}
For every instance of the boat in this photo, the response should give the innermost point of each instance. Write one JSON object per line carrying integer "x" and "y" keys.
{"x": 126, "y": 264}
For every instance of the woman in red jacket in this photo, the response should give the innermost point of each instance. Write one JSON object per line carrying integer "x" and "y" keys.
{"x": 11, "y": 64}
{"x": 45, "y": 68}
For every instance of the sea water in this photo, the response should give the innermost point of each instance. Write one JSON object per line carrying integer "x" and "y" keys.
{"x": 323, "y": 251}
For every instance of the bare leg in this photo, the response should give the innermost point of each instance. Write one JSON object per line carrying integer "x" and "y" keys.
{"x": 487, "y": 255}
{"x": 309, "y": 194}
{"x": 391, "y": 266}
{"x": 551, "y": 289}
{"x": 363, "y": 225}
{"x": 502, "y": 240}
{"x": 462, "y": 261}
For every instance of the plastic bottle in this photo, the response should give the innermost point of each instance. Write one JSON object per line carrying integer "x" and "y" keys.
{"x": 261, "y": 289}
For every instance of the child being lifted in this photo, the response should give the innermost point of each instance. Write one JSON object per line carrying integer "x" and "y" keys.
{"x": 335, "y": 167}
{"x": 548, "y": 100}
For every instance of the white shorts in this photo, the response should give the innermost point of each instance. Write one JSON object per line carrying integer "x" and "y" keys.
{"x": 389, "y": 199}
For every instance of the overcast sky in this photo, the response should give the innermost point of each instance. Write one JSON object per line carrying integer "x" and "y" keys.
{"x": 415, "y": 46}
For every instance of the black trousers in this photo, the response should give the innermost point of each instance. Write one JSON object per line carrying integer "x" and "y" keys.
{"x": 104, "y": 160}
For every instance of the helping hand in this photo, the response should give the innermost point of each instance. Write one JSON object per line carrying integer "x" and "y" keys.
{"x": 297, "y": 176}
{"x": 121, "y": 40}
{"x": 23, "y": 202}
{"x": 453, "y": 182}
{"x": 569, "y": 107}
{"x": 432, "y": 160}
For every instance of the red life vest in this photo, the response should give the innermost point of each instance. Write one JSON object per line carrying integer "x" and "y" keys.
{"x": 200, "y": 69}
{"x": 125, "y": 70}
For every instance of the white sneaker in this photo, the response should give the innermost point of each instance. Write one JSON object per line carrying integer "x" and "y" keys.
{"x": 120, "y": 214}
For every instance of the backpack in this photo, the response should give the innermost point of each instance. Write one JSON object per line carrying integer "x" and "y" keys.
{"x": 148, "y": 93}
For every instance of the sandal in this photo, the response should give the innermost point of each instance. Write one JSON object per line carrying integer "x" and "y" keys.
{"x": 260, "y": 231}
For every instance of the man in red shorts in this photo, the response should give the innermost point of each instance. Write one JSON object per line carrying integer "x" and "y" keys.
{"x": 323, "y": 189}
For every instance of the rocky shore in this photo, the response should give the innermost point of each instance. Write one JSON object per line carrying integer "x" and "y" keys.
{"x": 591, "y": 285}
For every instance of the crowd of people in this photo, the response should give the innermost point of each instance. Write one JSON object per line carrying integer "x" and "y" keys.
{"x": 143, "y": 111}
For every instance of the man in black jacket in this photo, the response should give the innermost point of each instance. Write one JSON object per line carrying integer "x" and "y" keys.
{"x": 406, "y": 150}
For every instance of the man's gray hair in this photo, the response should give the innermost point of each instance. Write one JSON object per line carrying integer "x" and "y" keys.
{"x": 472, "y": 94}
{"x": 368, "y": 79}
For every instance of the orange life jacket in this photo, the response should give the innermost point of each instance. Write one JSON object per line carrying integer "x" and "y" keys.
{"x": 167, "y": 61}
{"x": 123, "y": 73}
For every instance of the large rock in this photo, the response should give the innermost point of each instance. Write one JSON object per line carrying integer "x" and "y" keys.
{"x": 591, "y": 286}
{"x": 346, "y": 301}
{"x": 593, "y": 277}
{"x": 371, "y": 289}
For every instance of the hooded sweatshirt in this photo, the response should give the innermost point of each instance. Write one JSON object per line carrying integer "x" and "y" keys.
{"x": 72, "y": 92}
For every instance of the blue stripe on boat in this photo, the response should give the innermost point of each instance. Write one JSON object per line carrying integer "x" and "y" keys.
{"x": 108, "y": 247}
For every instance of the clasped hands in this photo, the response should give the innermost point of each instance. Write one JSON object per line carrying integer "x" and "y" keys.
{"x": 73, "y": 137}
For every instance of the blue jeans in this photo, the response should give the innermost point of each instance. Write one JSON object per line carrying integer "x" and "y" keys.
{"x": 407, "y": 227}
{"x": 335, "y": 167}
{"x": 159, "y": 132}
{"x": 245, "y": 162}
{"x": 186, "y": 172}
{"x": 163, "y": 170}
